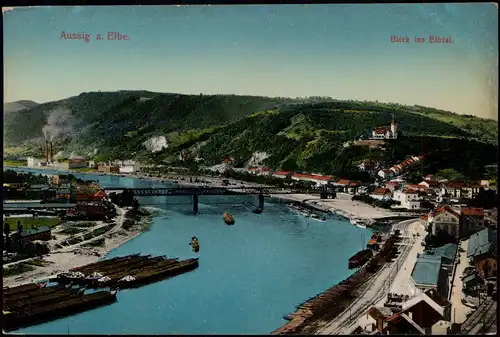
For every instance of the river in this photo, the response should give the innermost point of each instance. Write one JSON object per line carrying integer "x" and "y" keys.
{"x": 250, "y": 274}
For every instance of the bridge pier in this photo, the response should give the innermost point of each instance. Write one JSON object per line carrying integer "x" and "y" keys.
{"x": 261, "y": 201}
{"x": 195, "y": 203}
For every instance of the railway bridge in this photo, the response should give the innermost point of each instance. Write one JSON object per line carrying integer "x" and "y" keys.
{"x": 195, "y": 192}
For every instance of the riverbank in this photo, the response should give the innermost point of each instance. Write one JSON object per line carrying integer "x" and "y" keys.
{"x": 60, "y": 260}
{"x": 343, "y": 207}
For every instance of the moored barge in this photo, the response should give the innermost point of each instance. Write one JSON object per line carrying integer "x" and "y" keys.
{"x": 360, "y": 258}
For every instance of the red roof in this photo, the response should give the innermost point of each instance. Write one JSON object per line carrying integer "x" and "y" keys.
{"x": 343, "y": 182}
{"x": 281, "y": 173}
{"x": 424, "y": 217}
{"x": 382, "y": 191}
{"x": 456, "y": 184}
{"x": 409, "y": 191}
{"x": 393, "y": 183}
{"x": 381, "y": 130}
{"x": 265, "y": 169}
{"x": 470, "y": 211}
{"x": 446, "y": 209}
{"x": 312, "y": 176}
{"x": 417, "y": 187}
{"x": 355, "y": 184}
{"x": 253, "y": 169}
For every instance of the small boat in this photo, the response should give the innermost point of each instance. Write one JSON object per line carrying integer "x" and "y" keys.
{"x": 195, "y": 244}
{"x": 307, "y": 215}
{"x": 257, "y": 210}
{"x": 228, "y": 219}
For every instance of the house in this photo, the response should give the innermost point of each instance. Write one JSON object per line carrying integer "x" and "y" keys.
{"x": 386, "y": 174}
{"x": 282, "y": 174}
{"x": 482, "y": 252}
{"x": 319, "y": 180}
{"x": 420, "y": 188}
{"x": 264, "y": 171}
{"x": 368, "y": 165}
{"x": 430, "y": 184}
{"x": 392, "y": 185}
{"x": 408, "y": 198}
{"x": 108, "y": 169}
{"x": 381, "y": 193}
{"x": 374, "y": 319}
{"x": 253, "y": 170}
{"x": 447, "y": 220}
{"x": 419, "y": 314}
{"x": 92, "y": 163}
{"x": 453, "y": 189}
{"x": 471, "y": 220}
{"x": 428, "y": 273}
{"x": 59, "y": 179}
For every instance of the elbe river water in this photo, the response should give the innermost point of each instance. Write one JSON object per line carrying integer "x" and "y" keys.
{"x": 250, "y": 274}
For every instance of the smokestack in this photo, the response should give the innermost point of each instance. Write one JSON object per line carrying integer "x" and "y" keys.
{"x": 46, "y": 151}
{"x": 51, "y": 152}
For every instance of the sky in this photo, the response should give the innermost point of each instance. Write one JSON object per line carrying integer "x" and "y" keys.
{"x": 340, "y": 51}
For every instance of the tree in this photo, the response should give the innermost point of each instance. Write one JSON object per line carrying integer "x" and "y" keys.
{"x": 6, "y": 231}
{"x": 450, "y": 174}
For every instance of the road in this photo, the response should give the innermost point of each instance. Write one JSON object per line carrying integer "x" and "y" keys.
{"x": 459, "y": 310}
{"x": 377, "y": 289}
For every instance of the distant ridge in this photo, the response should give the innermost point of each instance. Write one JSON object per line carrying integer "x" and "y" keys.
{"x": 18, "y": 105}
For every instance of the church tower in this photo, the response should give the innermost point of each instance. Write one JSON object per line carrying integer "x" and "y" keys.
{"x": 394, "y": 127}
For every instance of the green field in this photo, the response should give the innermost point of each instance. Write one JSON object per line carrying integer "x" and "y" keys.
{"x": 14, "y": 163}
{"x": 30, "y": 222}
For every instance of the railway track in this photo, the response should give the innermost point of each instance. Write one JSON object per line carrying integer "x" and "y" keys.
{"x": 483, "y": 317}
{"x": 344, "y": 322}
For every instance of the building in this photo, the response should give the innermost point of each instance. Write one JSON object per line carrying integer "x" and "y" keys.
{"x": 448, "y": 254}
{"x": 428, "y": 273}
{"x": 386, "y": 173}
{"x": 430, "y": 184}
{"x": 482, "y": 252}
{"x": 382, "y": 132}
{"x": 128, "y": 169}
{"x": 408, "y": 198}
{"x": 108, "y": 169}
{"x": 282, "y": 174}
{"x": 264, "y": 172}
{"x": 392, "y": 185}
{"x": 92, "y": 163}
{"x": 460, "y": 189}
{"x": 42, "y": 233}
{"x": 381, "y": 194}
{"x": 419, "y": 315}
{"x": 253, "y": 170}
{"x": 32, "y": 162}
{"x": 319, "y": 180}
{"x": 447, "y": 220}
{"x": 59, "y": 179}
{"x": 471, "y": 220}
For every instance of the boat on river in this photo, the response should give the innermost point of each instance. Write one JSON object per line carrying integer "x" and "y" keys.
{"x": 228, "y": 219}
{"x": 195, "y": 244}
{"x": 257, "y": 210}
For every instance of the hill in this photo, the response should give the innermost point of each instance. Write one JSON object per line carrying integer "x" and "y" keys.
{"x": 18, "y": 105}
{"x": 296, "y": 134}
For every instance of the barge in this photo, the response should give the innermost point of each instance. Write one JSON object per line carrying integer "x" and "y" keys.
{"x": 360, "y": 258}
{"x": 29, "y": 315}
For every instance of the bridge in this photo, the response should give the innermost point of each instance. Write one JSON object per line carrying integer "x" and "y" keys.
{"x": 195, "y": 192}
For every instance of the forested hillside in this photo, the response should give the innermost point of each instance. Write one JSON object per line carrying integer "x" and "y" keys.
{"x": 296, "y": 134}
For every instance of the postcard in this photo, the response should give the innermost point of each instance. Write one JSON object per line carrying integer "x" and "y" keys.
{"x": 250, "y": 169}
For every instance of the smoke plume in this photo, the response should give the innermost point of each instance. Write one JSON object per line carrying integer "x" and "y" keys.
{"x": 60, "y": 122}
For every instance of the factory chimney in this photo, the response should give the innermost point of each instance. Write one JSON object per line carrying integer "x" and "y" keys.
{"x": 46, "y": 151}
{"x": 51, "y": 153}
